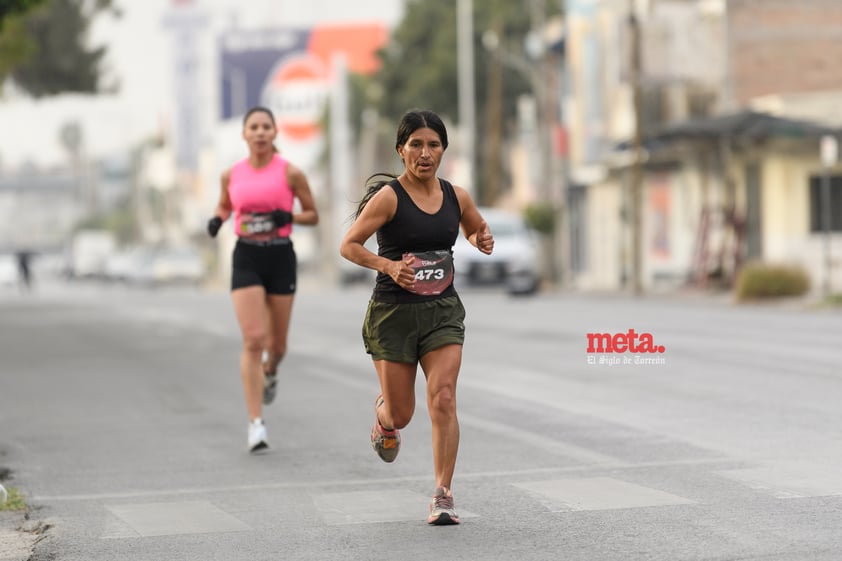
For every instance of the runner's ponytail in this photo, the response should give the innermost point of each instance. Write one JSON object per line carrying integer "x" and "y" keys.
{"x": 372, "y": 186}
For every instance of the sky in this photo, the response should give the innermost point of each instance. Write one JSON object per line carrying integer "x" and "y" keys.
{"x": 140, "y": 58}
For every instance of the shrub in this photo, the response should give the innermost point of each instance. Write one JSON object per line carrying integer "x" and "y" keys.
{"x": 766, "y": 280}
{"x": 15, "y": 500}
{"x": 834, "y": 299}
{"x": 540, "y": 217}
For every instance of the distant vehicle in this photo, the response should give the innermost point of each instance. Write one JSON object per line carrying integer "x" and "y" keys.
{"x": 8, "y": 270}
{"x": 514, "y": 263}
{"x": 89, "y": 252}
{"x": 167, "y": 266}
{"x": 127, "y": 264}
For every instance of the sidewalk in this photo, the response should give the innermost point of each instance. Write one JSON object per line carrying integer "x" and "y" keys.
{"x": 17, "y": 536}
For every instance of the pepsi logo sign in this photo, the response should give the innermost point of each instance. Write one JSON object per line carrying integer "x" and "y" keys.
{"x": 296, "y": 92}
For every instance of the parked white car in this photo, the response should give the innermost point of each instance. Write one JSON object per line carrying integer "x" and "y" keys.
{"x": 89, "y": 252}
{"x": 514, "y": 263}
{"x": 8, "y": 270}
{"x": 155, "y": 267}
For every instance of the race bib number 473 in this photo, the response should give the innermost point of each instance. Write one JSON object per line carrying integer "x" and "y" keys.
{"x": 433, "y": 271}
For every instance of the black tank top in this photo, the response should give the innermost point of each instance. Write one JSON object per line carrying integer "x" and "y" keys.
{"x": 413, "y": 230}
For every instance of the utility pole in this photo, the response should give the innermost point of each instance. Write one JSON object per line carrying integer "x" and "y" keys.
{"x": 636, "y": 171}
{"x": 465, "y": 84}
{"x": 341, "y": 167}
{"x": 538, "y": 68}
{"x": 492, "y": 170}
{"x": 829, "y": 154}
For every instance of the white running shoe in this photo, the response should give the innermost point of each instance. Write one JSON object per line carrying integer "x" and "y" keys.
{"x": 257, "y": 435}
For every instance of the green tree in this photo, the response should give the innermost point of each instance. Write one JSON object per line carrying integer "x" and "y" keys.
{"x": 419, "y": 68}
{"x": 8, "y": 7}
{"x": 15, "y": 45}
{"x": 43, "y": 48}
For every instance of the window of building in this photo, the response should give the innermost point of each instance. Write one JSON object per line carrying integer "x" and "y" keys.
{"x": 817, "y": 203}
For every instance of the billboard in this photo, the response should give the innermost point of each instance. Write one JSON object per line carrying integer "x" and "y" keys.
{"x": 290, "y": 71}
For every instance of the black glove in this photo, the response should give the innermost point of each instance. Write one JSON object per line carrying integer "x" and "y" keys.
{"x": 214, "y": 224}
{"x": 281, "y": 217}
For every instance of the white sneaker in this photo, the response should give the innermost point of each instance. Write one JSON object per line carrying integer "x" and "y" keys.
{"x": 257, "y": 435}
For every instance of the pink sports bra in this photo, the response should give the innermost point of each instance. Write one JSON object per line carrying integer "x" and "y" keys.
{"x": 256, "y": 192}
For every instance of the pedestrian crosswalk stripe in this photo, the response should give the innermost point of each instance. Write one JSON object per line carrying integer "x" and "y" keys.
{"x": 789, "y": 479}
{"x": 168, "y": 519}
{"x": 598, "y": 493}
{"x": 362, "y": 507}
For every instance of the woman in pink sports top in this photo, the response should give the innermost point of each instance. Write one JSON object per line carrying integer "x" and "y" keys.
{"x": 260, "y": 191}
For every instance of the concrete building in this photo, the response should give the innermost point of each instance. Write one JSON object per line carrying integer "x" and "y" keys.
{"x": 722, "y": 184}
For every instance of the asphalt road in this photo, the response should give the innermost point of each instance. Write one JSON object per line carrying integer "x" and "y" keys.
{"x": 122, "y": 421}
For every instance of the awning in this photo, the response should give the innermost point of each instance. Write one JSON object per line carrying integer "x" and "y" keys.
{"x": 741, "y": 126}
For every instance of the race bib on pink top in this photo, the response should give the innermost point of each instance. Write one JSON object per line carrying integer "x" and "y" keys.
{"x": 257, "y": 225}
{"x": 433, "y": 271}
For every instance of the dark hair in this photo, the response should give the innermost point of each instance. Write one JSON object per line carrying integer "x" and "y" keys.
{"x": 258, "y": 109}
{"x": 420, "y": 119}
{"x": 261, "y": 109}
{"x": 410, "y": 122}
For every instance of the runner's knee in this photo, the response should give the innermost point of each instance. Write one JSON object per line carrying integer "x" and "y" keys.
{"x": 253, "y": 341}
{"x": 442, "y": 402}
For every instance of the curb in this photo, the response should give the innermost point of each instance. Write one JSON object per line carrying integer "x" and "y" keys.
{"x": 18, "y": 536}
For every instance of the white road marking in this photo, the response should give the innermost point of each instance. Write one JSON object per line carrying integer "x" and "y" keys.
{"x": 363, "y": 507}
{"x": 168, "y": 519}
{"x": 598, "y": 493}
{"x": 790, "y": 479}
{"x": 318, "y": 484}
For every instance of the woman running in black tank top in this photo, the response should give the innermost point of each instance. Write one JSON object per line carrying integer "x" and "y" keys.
{"x": 415, "y": 315}
{"x": 415, "y": 231}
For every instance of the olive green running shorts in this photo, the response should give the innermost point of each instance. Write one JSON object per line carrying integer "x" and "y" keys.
{"x": 406, "y": 332}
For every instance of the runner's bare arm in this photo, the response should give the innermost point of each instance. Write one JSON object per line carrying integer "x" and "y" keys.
{"x": 474, "y": 226}
{"x": 377, "y": 212}
{"x": 301, "y": 187}
{"x": 223, "y": 207}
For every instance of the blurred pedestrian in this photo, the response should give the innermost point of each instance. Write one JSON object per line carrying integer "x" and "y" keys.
{"x": 24, "y": 258}
{"x": 415, "y": 315}
{"x": 260, "y": 191}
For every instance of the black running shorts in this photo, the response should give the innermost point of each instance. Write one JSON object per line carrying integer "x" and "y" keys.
{"x": 271, "y": 266}
{"x": 406, "y": 332}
